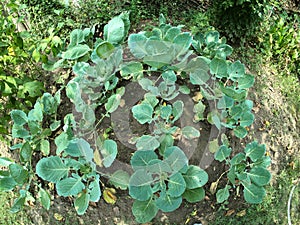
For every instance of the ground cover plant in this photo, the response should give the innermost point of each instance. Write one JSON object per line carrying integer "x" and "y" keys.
{"x": 160, "y": 175}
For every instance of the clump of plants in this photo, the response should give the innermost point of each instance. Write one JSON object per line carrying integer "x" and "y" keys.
{"x": 165, "y": 63}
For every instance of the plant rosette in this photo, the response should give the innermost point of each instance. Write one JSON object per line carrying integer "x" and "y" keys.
{"x": 158, "y": 61}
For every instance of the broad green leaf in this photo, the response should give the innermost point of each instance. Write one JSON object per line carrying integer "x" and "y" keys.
{"x": 19, "y": 117}
{"x": 166, "y": 141}
{"x": 157, "y": 166}
{"x": 132, "y": 68}
{"x": 168, "y": 204}
{"x": 236, "y": 112}
{"x": 255, "y": 151}
{"x": 109, "y": 152}
{"x": 177, "y": 110}
{"x": 73, "y": 148}
{"x": 147, "y": 142}
{"x": 213, "y": 145}
{"x": 238, "y": 158}
{"x": 223, "y": 153}
{"x": 19, "y": 132}
{"x": 18, "y": 204}
{"x": 94, "y": 190}
{"x": 254, "y": 194}
{"x": 236, "y": 70}
{"x": 231, "y": 92}
{"x": 240, "y": 132}
{"x": 246, "y": 81}
{"x": 195, "y": 177}
{"x": 246, "y": 119}
{"x": 36, "y": 114}
{"x": 151, "y": 99}
{"x": 33, "y": 88}
{"x": 142, "y": 113}
{"x": 76, "y": 52}
{"x": 52, "y": 169}
{"x": 194, "y": 195}
{"x": 140, "y": 185}
{"x": 225, "y": 102}
{"x": 190, "y": 132}
{"x": 113, "y": 103}
{"x": 184, "y": 89}
{"x": 169, "y": 77}
{"x": 114, "y": 31}
{"x": 44, "y": 198}
{"x": 19, "y": 174}
{"x": 4, "y": 161}
{"x": 176, "y": 185}
{"x": 199, "y": 109}
{"x": 182, "y": 42}
{"x": 223, "y": 194}
{"x": 50, "y": 103}
{"x": 218, "y": 67}
{"x": 176, "y": 158}
{"x": 82, "y": 202}
{"x": 172, "y": 33}
{"x": 212, "y": 37}
{"x": 104, "y": 50}
{"x": 120, "y": 179}
{"x": 144, "y": 211}
{"x": 141, "y": 159}
{"x": 55, "y": 125}
{"x": 61, "y": 142}
{"x": 260, "y": 176}
{"x": 76, "y": 37}
{"x": 165, "y": 112}
{"x": 7, "y": 183}
{"x": 69, "y": 186}
{"x": 200, "y": 75}
{"x": 45, "y": 147}
{"x": 26, "y": 152}
{"x": 137, "y": 45}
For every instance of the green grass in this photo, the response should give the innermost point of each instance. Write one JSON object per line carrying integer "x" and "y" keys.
{"x": 8, "y": 218}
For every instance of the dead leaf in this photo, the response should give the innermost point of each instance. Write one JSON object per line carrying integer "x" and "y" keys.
{"x": 230, "y": 212}
{"x": 198, "y": 96}
{"x": 58, "y": 216}
{"x": 213, "y": 187}
{"x": 108, "y": 195}
{"x": 241, "y": 213}
{"x": 97, "y": 158}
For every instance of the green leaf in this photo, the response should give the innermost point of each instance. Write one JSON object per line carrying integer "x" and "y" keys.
{"x": 190, "y": 132}
{"x": 55, "y": 125}
{"x": 33, "y": 88}
{"x": 218, "y": 67}
{"x": 45, "y": 147}
{"x": 255, "y": 151}
{"x": 104, "y": 49}
{"x": 19, "y": 132}
{"x": 19, "y": 117}
{"x": 18, "y": 204}
{"x": 169, "y": 77}
{"x": 147, "y": 142}
{"x": 19, "y": 174}
{"x": 254, "y": 194}
{"x": 199, "y": 109}
{"x": 44, "y": 198}
{"x": 260, "y": 176}
{"x": 69, "y": 186}
{"x": 120, "y": 179}
{"x": 52, "y": 169}
{"x": 198, "y": 69}
{"x": 114, "y": 31}
{"x": 76, "y": 37}
{"x": 177, "y": 110}
{"x": 176, "y": 158}
{"x": 223, "y": 153}
{"x": 82, "y": 202}
{"x": 236, "y": 112}
{"x": 26, "y": 152}
{"x": 61, "y": 142}
{"x": 140, "y": 185}
{"x": 157, "y": 166}
{"x": 141, "y": 159}
{"x": 223, "y": 194}
{"x": 113, "y": 103}
{"x": 238, "y": 158}
{"x": 212, "y": 37}
{"x": 166, "y": 141}
{"x": 240, "y": 132}
{"x": 142, "y": 113}
{"x": 213, "y": 146}
{"x": 195, "y": 177}
{"x": 236, "y": 70}
{"x": 176, "y": 185}
{"x": 76, "y": 52}
{"x": 4, "y": 161}
{"x": 151, "y": 99}
{"x": 246, "y": 81}
{"x": 7, "y": 183}
{"x": 168, "y": 204}
{"x": 132, "y": 68}
{"x": 246, "y": 119}
{"x": 144, "y": 211}
{"x": 165, "y": 112}
{"x": 172, "y": 33}
{"x": 194, "y": 195}
{"x": 137, "y": 45}
{"x": 182, "y": 42}
{"x": 94, "y": 190}
{"x": 109, "y": 152}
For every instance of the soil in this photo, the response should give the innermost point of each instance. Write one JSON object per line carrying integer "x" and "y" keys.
{"x": 276, "y": 125}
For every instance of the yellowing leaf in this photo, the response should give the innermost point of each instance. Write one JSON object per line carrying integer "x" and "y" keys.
{"x": 97, "y": 158}
{"x": 108, "y": 195}
{"x": 241, "y": 213}
{"x": 58, "y": 216}
{"x": 213, "y": 187}
{"x": 198, "y": 96}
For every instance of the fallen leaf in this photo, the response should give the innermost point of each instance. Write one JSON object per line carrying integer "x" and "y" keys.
{"x": 241, "y": 213}
{"x": 213, "y": 187}
{"x": 58, "y": 216}
{"x": 97, "y": 158}
{"x": 198, "y": 96}
{"x": 108, "y": 195}
{"x": 230, "y": 212}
